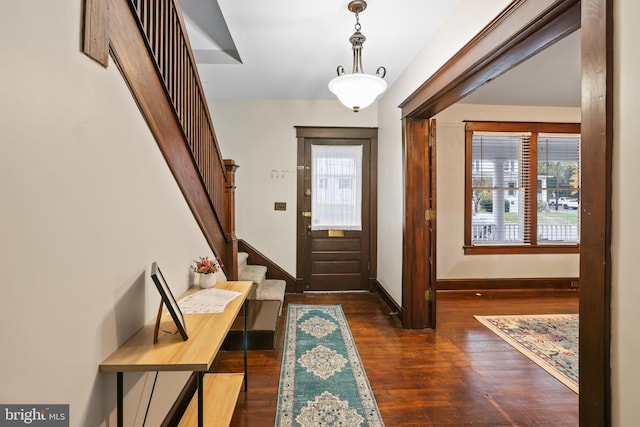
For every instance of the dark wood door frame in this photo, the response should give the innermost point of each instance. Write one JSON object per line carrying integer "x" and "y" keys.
{"x": 416, "y": 310}
{"x": 523, "y": 29}
{"x": 418, "y": 233}
{"x": 344, "y": 133}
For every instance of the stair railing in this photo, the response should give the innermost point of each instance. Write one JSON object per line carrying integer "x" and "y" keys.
{"x": 163, "y": 26}
{"x": 161, "y": 29}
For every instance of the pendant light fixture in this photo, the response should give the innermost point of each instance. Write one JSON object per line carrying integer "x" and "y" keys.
{"x": 358, "y": 90}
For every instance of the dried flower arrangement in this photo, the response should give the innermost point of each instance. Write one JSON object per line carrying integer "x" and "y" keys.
{"x": 207, "y": 265}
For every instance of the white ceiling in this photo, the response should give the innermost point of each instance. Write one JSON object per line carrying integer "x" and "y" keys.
{"x": 289, "y": 49}
{"x": 551, "y": 78}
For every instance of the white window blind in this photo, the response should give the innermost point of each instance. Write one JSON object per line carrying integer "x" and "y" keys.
{"x": 336, "y": 187}
{"x": 499, "y": 176}
{"x": 558, "y": 188}
{"x": 511, "y": 191}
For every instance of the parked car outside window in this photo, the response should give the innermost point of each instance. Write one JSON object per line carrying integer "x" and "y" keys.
{"x": 564, "y": 202}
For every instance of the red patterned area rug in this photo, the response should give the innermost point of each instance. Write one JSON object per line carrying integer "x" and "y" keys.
{"x": 551, "y": 341}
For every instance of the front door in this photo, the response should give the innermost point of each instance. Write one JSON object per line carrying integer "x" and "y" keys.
{"x": 334, "y": 212}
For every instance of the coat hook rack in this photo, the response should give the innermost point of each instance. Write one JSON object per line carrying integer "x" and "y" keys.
{"x": 279, "y": 173}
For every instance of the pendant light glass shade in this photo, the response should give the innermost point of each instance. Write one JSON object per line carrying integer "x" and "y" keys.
{"x": 357, "y": 91}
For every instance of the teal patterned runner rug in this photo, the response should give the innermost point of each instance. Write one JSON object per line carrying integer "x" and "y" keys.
{"x": 322, "y": 382}
{"x": 549, "y": 340}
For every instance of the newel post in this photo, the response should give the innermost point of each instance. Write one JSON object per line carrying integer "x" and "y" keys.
{"x": 230, "y": 226}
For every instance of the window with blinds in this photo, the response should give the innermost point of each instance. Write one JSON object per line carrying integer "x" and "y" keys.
{"x": 522, "y": 186}
{"x": 558, "y": 188}
{"x": 499, "y": 190}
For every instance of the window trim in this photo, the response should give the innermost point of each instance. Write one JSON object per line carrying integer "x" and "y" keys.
{"x": 534, "y": 128}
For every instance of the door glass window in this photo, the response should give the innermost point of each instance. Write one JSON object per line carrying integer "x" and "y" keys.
{"x": 336, "y": 187}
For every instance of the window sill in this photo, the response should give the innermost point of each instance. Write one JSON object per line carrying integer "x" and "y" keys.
{"x": 521, "y": 249}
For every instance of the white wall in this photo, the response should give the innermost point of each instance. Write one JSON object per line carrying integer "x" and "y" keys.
{"x": 452, "y": 263}
{"x": 88, "y": 203}
{"x": 260, "y": 136}
{"x": 466, "y": 21}
{"x": 625, "y": 292}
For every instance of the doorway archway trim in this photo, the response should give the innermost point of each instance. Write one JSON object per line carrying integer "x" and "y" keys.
{"x": 522, "y": 30}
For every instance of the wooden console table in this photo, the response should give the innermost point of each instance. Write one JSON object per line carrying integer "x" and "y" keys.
{"x": 206, "y": 334}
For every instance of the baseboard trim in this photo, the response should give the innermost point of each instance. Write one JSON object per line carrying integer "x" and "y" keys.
{"x": 274, "y": 271}
{"x": 536, "y": 283}
{"x": 396, "y": 310}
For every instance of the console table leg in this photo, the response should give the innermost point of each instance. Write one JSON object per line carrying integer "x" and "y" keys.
{"x": 200, "y": 399}
{"x": 120, "y": 399}
{"x": 246, "y": 342}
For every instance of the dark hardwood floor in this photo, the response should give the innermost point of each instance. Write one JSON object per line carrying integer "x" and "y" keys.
{"x": 459, "y": 374}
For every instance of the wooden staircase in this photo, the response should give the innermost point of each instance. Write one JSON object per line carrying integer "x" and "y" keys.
{"x": 264, "y": 309}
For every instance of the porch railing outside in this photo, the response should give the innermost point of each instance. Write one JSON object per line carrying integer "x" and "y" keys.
{"x": 547, "y": 233}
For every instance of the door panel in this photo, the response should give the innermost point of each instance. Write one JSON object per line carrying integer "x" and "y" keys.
{"x": 336, "y": 282}
{"x": 336, "y": 267}
{"x": 321, "y": 243}
{"x": 334, "y": 257}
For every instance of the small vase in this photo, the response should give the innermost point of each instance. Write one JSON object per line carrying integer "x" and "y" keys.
{"x": 207, "y": 280}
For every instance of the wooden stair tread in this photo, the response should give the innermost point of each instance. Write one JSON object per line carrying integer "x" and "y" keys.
{"x": 253, "y": 273}
{"x": 220, "y": 396}
{"x": 262, "y": 327}
{"x": 242, "y": 258}
{"x": 262, "y": 316}
{"x": 271, "y": 289}
{"x": 264, "y": 309}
